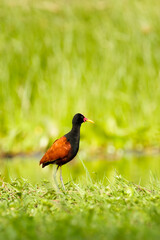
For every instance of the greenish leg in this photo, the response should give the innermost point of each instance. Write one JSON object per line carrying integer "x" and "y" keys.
{"x": 54, "y": 176}
{"x": 61, "y": 178}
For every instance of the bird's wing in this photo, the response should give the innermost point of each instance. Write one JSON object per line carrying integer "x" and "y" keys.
{"x": 59, "y": 150}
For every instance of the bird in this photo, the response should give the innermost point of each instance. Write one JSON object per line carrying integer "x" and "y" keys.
{"x": 64, "y": 149}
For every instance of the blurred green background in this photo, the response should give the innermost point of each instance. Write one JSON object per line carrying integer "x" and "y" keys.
{"x": 100, "y": 58}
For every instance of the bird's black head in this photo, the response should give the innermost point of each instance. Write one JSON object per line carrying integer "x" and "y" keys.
{"x": 78, "y": 119}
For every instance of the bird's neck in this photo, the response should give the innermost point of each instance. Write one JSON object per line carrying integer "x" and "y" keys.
{"x": 74, "y": 135}
{"x": 76, "y": 129}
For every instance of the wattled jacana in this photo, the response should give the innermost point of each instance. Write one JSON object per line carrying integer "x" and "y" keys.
{"x": 65, "y": 148}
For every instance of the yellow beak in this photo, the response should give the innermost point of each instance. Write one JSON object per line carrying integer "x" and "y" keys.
{"x": 88, "y": 120}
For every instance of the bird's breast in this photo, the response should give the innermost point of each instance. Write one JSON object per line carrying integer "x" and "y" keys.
{"x": 74, "y": 151}
{"x": 73, "y": 138}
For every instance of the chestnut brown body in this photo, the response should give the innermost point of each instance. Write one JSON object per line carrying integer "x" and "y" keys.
{"x": 59, "y": 153}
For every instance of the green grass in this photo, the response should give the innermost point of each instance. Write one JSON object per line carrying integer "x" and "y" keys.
{"x": 86, "y": 210}
{"x": 100, "y": 58}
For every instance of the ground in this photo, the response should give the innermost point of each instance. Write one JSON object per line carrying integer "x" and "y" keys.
{"x": 86, "y": 210}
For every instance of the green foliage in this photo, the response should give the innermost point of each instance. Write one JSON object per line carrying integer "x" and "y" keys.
{"x": 86, "y": 210}
{"x": 100, "y": 58}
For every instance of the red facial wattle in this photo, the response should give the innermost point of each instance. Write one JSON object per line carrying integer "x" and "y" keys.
{"x": 87, "y": 120}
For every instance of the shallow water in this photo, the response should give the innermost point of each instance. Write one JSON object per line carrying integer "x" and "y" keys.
{"x": 137, "y": 169}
